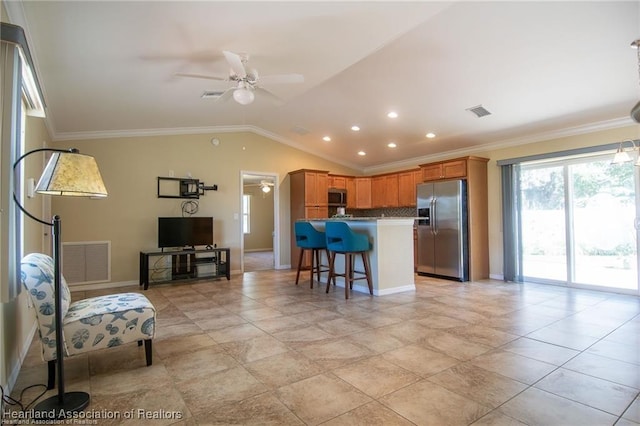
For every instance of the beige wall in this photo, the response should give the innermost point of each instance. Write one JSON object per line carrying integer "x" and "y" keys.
{"x": 130, "y": 166}
{"x": 260, "y": 237}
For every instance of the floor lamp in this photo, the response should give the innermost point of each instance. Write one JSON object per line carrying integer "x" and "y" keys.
{"x": 67, "y": 173}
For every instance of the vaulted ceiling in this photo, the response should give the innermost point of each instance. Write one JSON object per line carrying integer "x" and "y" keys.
{"x": 539, "y": 68}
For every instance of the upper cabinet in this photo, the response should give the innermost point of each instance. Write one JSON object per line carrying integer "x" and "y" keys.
{"x": 384, "y": 191}
{"x": 444, "y": 170}
{"x": 350, "y": 185}
{"x": 338, "y": 182}
{"x": 316, "y": 188}
{"x": 363, "y": 192}
{"x": 407, "y": 182}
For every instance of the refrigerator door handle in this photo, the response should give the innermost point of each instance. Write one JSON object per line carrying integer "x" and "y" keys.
{"x": 434, "y": 217}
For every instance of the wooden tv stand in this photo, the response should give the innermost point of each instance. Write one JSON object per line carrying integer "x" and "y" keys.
{"x": 186, "y": 265}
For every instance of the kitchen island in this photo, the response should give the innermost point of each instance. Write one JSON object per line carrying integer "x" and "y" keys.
{"x": 391, "y": 255}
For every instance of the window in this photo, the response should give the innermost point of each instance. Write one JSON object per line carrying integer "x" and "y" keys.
{"x": 573, "y": 222}
{"x": 246, "y": 214}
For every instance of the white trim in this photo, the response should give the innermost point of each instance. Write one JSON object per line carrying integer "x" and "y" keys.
{"x": 394, "y": 290}
{"x": 496, "y": 277}
{"x": 15, "y": 371}
{"x": 376, "y": 292}
{"x": 103, "y": 285}
{"x": 506, "y": 143}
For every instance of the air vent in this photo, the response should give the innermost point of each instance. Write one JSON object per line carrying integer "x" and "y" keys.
{"x": 210, "y": 94}
{"x": 86, "y": 262}
{"x": 299, "y": 130}
{"x": 479, "y": 111}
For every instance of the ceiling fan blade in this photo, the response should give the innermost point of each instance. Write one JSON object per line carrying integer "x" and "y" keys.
{"x": 236, "y": 63}
{"x": 282, "y": 79}
{"x": 265, "y": 93}
{"x": 206, "y": 77}
{"x": 226, "y": 95}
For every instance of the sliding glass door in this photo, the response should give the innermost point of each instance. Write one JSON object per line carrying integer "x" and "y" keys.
{"x": 577, "y": 222}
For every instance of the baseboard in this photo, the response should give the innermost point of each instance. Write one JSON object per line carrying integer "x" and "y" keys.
{"x": 102, "y": 286}
{"x": 496, "y": 277}
{"x": 15, "y": 371}
{"x": 258, "y": 250}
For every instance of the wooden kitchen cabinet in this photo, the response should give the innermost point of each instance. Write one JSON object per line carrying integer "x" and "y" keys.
{"x": 316, "y": 189}
{"x": 407, "y": 182}
{"x": 350, "y": 185}
{"x": 338, "y": 182}
{"x": 363, "y": 192}
{"x": 384, "y": 191}
{"x": 308, "y": 200}
{"x": 444, "y": 170}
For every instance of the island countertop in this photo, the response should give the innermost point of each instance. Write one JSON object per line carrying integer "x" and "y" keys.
{"x": 391, "y": 256}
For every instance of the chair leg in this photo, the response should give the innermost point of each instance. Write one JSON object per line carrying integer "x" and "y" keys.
{"x": 367, "y": 271}
{"x": 329, "y": 275}
{"x": 148, "y": 352}
{"x": 347, "y": 275}
{"x": 317, "y": 252}
{"x": 332, "y": 259}
{"x": 312, "y": 270}
{"x": 51, "y": 374}
{"x": 299, "y": 265}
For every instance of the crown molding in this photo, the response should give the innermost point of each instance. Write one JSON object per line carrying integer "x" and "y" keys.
{"x": 506, "y": 143}
{"x": 538, "y": 137}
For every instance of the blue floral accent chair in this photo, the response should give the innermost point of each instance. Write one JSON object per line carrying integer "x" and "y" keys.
{"x": 88, "y": 324}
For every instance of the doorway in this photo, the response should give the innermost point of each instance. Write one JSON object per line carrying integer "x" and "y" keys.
{"x": 259, "y": 228}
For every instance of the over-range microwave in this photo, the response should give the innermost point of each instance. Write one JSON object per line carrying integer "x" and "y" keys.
{"x": 337, "y": 197}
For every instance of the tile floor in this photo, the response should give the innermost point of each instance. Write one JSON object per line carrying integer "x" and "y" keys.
{"x": 260, "y": 350}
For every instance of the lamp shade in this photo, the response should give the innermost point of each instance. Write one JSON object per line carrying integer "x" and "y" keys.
{"x": 71, "y": 174}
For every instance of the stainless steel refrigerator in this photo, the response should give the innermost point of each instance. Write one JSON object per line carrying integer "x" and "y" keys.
{"x": 443, "y": 248}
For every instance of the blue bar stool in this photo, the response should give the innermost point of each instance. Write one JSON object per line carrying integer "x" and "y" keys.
{"x": 342, "y": 240}
{"x": 309, "y": 238}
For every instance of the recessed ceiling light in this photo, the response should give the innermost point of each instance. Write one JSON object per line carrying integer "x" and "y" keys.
{"x": 392, "y": 114}
{"x": 355, "y": 128}
{"x": 326, "y": 139}
{"x": 430, "y": 135}
{"x": 392, "y": 145}
{"x": 362, "y": 153}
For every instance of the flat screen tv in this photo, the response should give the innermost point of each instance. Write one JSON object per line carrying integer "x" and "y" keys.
{"x": 185, "y": 231}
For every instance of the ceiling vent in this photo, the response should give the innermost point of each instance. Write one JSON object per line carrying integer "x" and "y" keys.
{"x": 479, "y": 111}
{"x": 211, "y": 94}
{"x": 299, "y": 130}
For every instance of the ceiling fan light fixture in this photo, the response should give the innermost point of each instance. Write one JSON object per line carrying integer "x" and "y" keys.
{"x": 266, "y": 189}
{"x": 621, "y": 155}
{"x": 243, "y": 96}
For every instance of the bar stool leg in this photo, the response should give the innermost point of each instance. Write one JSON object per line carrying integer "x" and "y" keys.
{"x": 348, "y": 275}
{"x": 367, "y": 271}
{"x": 332, "y": 258}
{"x": 318, "y": 263}
{"x": 299, "y": 265}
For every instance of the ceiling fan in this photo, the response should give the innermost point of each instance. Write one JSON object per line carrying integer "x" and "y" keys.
{"x": 248, "y": 81}
{"x": 265, "y": 185}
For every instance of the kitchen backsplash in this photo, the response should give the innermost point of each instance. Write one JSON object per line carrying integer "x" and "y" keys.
{"x": 390, "y": 212}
